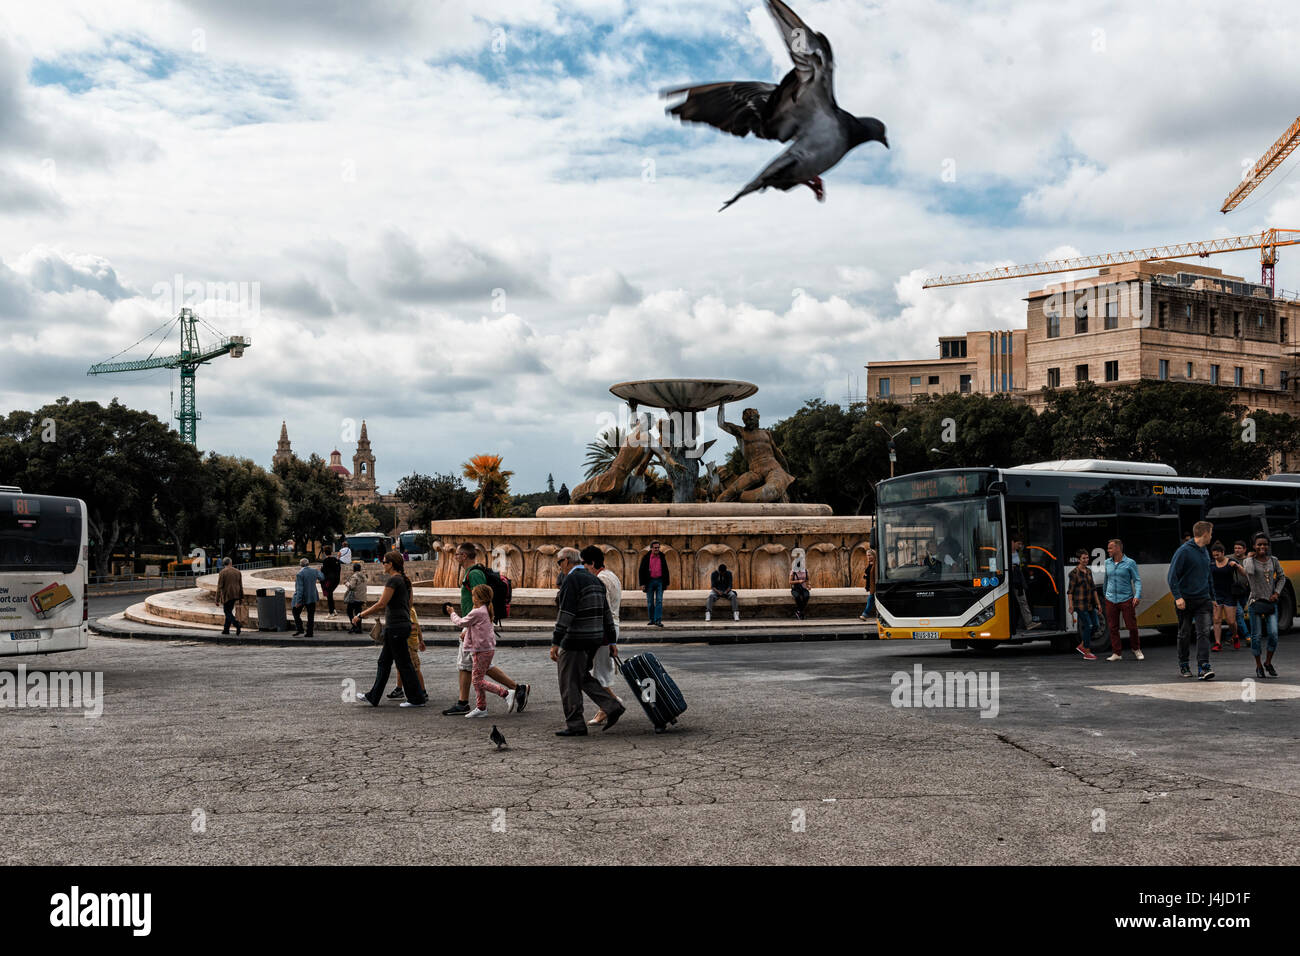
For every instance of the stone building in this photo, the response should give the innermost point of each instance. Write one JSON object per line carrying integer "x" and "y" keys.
{"x": 1167, "y": 321}
{"x": 986, "y": 362}
{"x": 358, "y": 484}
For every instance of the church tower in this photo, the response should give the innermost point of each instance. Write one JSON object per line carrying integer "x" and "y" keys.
{"x": 282, "y": 450}
{"x": 363, "y": 467}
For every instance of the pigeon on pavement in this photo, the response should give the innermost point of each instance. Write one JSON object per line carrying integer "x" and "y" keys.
{"x": 497, "y": 737}
{"x": 802, "y": 108}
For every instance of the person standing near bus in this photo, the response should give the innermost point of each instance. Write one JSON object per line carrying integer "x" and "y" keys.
{"x": 1192, "y": 588}
{"x": 1084, "y": 604}
{"x": 1225, "y": 573}
{"x": 1019, "y": 588}
{"x": 1241, "y": 592}
{"x": 1123, "y": 590}
{"x": 869, "y": 579}
{"x": 1266, "y": 582}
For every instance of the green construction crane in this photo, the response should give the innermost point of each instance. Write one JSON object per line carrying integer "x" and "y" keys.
{"x": 192, "y": 355}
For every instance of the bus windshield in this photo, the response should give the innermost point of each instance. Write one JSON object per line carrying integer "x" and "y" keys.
{"x": 39, "y": 534}
{"x": 938, "y": 541}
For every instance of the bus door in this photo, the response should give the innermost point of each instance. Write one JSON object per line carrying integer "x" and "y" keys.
{"x": 1039, "y": 525}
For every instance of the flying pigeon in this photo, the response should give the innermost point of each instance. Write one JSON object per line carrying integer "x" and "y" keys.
{"x": 497, "y": 737}
{"x": 802, "y": 108}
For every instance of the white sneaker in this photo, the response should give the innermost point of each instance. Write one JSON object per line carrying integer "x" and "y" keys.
{"x": 708, "y": 616}
{"x": 862, "y": 617}
{"x": 1139, "y": 655}
{"x": 510, "y": 702}
{"x": 407, "y": 703}
{"x": 363, "y": 699}
{"x": 1114, "y": 657}
{"x": 478, "y": 712}
{"x": 736, "y": 615}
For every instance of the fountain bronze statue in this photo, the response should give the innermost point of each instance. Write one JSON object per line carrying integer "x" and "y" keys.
{"x": 767, "y": 478}
{"x": 638, "y": 450}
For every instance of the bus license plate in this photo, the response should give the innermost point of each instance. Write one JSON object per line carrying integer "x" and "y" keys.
{"x": 25, "y": 635}
{"x": 925, "y": 635}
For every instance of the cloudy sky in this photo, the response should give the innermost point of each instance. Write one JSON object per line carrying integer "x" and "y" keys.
{"x": 463, "y": 222}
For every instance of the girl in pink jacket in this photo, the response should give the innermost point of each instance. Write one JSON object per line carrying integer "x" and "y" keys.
{"x": 480, "y": 639}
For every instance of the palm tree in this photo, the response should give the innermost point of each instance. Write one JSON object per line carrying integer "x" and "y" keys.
{"x": 493, "y": 483}
{"x": 601, "y": 452}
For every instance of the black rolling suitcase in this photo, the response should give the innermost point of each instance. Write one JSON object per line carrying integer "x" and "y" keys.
{"x": 662, "y": 701}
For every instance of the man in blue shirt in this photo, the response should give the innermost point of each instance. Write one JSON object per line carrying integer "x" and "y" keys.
{"x": 305, "y": 595}
{"x": 1123, "y": 591}
{"x": 1192, "y": 589}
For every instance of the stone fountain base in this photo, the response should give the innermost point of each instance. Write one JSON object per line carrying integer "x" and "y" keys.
{"x": 754, "y": 541}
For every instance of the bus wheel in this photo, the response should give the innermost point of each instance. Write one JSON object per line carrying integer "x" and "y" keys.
{"x": 1285, "y": 611}
{"x": 959, "y": 645}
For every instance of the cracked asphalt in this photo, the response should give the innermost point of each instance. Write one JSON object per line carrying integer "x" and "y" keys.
{"x": 789, "y": 753}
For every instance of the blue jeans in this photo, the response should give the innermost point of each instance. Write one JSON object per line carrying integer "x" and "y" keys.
{"x": 1258, "y": 624}
{"x": 654, "y": 600}
{"x": 871, "y": 603}
{"x": 1089, "y": 621}
{"x": 1243, "y": 632}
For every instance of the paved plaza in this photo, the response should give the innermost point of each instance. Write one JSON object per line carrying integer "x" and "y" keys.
{"x": 789, "y": 753}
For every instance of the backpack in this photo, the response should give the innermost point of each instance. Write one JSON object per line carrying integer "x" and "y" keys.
{"x": 501, "y": 591}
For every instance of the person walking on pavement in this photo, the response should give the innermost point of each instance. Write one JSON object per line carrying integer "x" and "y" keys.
{"x": 1241, "y": 594}
{"x": 583, "y": 624}
{"x": 605, "y": 664}
{"x": 720, "y": 587}
{"x": 331, "y": 570}
{"x": 355, "y": 595}
{"x": 1267, "y": 580}
{"x": 1123, "y": 591}
{"x": 869, "y": 578}
{"x": 1192, "y": 588}
{"x": 1225, "y": 572}
{"x": 305, "y": 595}
{"x": 652, "y": 576}
{"x": 481, "y": 641}
{"x": 395, "y": 603}
{"x": 1084, "y": 604}
{"x": 230, "y": 593}
{"x": 474, "y": 575}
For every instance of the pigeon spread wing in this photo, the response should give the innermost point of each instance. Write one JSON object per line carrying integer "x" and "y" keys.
{"x": 814, "y": 64}
{"x": 739, "y": 108}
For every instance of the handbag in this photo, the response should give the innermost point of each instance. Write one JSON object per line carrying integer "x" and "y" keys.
{"x": 241, "y": 614}
{"x": 377, "y": 631}
{"x": 1263, "y": 608}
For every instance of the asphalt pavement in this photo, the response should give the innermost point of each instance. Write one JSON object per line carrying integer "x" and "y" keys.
{"x": 789, "y": 753}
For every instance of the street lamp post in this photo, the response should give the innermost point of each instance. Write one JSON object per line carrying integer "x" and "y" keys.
{"x": 893, "y": 456}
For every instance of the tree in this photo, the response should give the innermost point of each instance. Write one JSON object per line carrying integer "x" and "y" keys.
{"x": 550, "y": 483}
{"x": 127, "y": 466}
{"x": 601, "y": 452}
{"x": 317, "y": 506}
{"x": 385, "y": 515}
{"x": 435, "y": 498}
{"x": 493, "y": 484}
{"x": 241, "y": 502}
{"x": 360, "y": 519}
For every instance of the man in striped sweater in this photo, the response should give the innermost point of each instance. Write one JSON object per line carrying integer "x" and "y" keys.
{"x": 583, "y": 625}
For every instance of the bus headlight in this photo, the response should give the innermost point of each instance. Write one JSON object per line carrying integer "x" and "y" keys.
{"x": 980, "y": 617}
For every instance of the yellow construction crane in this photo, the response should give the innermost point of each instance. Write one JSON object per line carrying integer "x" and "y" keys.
{"x": 1267, "y": 242}
{"x": 1267, "y": 163}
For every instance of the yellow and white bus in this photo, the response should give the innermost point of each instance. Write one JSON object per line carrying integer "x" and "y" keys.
{"x": 944, "y": 536}
{"x": 44, "y": 570}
